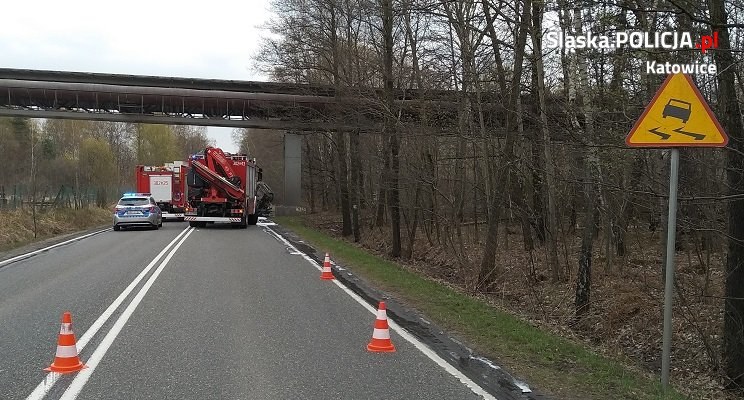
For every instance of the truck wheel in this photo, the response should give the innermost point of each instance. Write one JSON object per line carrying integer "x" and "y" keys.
{"x": 252, "y": 219}
{"x": 193, "y": 224}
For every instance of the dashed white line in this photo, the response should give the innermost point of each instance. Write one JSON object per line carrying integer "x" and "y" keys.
{"x": 394, "y": 326}
{"x": 51, "y": 378}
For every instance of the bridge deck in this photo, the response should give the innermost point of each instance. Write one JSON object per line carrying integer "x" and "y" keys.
{"x": 212, "y": 102}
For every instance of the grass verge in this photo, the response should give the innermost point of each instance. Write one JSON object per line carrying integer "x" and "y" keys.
{"x": 556, "y": 365}
{"x": 17, "y": 226}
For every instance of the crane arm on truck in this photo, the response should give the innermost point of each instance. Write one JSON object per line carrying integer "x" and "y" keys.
{"x": 215, "y": 157}
{"x": 218, "y": 180}
{"x": 225, "y": 188}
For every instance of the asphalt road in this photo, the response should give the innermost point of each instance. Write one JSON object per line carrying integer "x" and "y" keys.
{"x": 232, "y": 314}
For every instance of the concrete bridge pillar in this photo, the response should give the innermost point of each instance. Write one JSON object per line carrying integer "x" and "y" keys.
{"x": 292, "y": 169}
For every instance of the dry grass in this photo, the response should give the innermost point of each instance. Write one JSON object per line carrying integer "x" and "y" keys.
{"x": 17, "y": 226}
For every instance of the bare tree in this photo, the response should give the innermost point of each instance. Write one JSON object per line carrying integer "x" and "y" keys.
{"x": 733, "y": 328}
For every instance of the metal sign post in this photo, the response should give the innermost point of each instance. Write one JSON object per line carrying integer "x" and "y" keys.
{"x": 669, "y": 280}
{"x": 677, "y": 116}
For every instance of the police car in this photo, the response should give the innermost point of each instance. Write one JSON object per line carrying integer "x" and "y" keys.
{"x": 137, "y": 209}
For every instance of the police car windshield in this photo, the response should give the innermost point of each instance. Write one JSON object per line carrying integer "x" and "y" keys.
{"x": 134, "y": 201}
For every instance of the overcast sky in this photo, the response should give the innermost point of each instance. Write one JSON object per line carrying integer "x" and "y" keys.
{"x": 195, "y": 39}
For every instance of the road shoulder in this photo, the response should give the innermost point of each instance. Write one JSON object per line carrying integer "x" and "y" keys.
{"x": 494, "y": 379}
{"x": 47, "y": 242}
{"x": 558, "y": 366}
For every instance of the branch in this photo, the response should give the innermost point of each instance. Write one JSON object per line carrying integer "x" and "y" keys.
{"x": 702, "y": 20}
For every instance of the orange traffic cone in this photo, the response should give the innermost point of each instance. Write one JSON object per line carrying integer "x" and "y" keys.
{"x": 327, "y": 274}
{"x": 380, "y": 342}
{"x": 66, "y": 360}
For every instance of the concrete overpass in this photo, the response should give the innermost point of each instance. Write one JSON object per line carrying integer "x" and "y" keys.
{"x": 179, "y": 101}
{"x": 227, "y": 103}
{"x": 211, "y": 102}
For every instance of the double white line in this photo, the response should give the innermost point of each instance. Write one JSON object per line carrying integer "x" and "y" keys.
{"x": 82, "y": 377}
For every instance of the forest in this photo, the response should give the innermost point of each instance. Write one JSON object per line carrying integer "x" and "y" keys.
{"x": 76, "y": 164}
{"x": 525, "y": 194}
{"x": 531, "y": 198}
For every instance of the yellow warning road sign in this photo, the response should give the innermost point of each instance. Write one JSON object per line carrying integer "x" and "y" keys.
{"x": 678, "y": 116}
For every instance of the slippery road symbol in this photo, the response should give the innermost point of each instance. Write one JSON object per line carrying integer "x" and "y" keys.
{"x": 665, "y": 136}
{"x": 677, "y": 116}
{"x": 678, "y": 109}
{"x": 681, "y": 110}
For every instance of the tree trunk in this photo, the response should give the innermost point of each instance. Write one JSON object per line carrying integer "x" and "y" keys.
{"x": 456, "y": 23}
{"x": 733, "y": 322}
{"x": 487, "y": 273}
{"x": 500, "y": 73}
{"x": 311, "y": 175}
{"x": 551, "y": 228}
{"x": 538, "y": 211}
{"x": 340, "y": 137}
{"x": 589, "y": 168}
{"x": 537, "y": 216}
{"x": 412, "y": 226}
{"x": 584, "y": 276}
{"x": 627, "y": 208}
{"x": 354, "y": 194}
{"x": 390, "y": 127}
{"x": 382, "y": 192}
{"x": 343, "y": 179}
{"x": 427, "y": 176}
{"x": 325, "y": 187}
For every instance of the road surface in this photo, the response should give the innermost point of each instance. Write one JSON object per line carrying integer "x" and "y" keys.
{"x": 222, "y": 313}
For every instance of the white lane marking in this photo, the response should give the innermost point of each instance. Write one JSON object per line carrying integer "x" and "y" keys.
{"x": 397, "y": 328}
{"x": 82, "y": 377}
{"x": 525, "y": 388}
{"x": 263, "y": 221}
{"x": 35, "y": 252}
{"x": 49, "y": 380}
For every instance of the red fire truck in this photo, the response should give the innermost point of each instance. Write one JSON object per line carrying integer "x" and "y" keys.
{"x": 223, "y": 189}
{"x": 167, "y": 185}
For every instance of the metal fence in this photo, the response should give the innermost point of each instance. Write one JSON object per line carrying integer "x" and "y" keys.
{"x": 20, "y": 196}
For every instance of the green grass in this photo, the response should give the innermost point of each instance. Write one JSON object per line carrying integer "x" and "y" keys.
{"x": 553, "y": 364}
